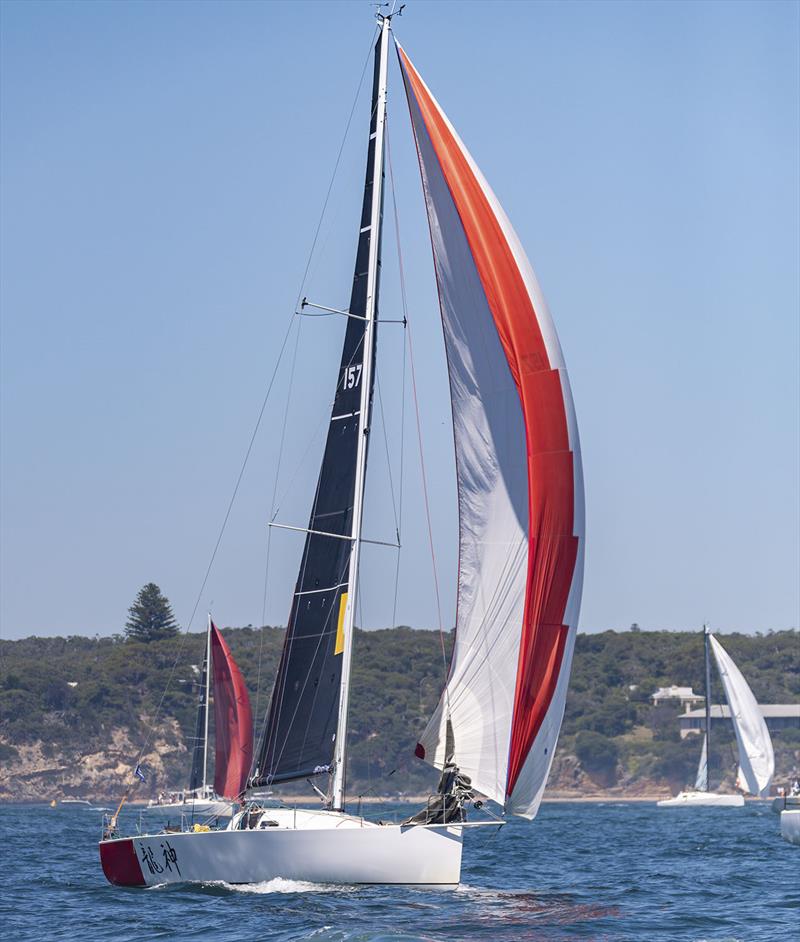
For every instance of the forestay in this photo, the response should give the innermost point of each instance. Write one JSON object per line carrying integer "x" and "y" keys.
{"x": 756, "y": 757}
{"x": 519, "y": 479}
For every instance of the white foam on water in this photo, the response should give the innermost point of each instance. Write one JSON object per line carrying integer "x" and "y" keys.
{"x": 282, "y": 885}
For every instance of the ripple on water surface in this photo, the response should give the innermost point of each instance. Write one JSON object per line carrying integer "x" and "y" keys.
{"x": 581, "y": 871}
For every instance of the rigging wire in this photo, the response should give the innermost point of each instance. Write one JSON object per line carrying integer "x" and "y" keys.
{"x": 404, "y": 299}
{"x": 404, "y": 303}
{"x": 256, "y": 428}
{"x": 186, "y": 630}
{"x": 388, "y": 456}
{"x": 287, "y": 649}
{"x": 309, "y": 260}
{"x": 272, "y": 508}
{"x": 335, "y": 169}
{"x": 402, "y": 466}
{"x": 324, "y": 420}
{"x": 270, "y": 746}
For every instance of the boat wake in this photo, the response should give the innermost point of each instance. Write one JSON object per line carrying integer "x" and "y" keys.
{"x": 518, "y": 906}
{"x": 281, "y": 885}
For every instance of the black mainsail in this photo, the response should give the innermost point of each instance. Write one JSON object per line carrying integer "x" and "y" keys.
{"x": 309, "y": 697}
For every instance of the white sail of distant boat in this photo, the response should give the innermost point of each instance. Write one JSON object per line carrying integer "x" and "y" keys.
{"x": 233, "y": 737}
{"x": 756, "y": 758}
{"x": 701, "y": 781}
{"x": 519, "y": 488}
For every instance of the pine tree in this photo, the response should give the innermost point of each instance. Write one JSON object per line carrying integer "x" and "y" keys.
{"x": 150, "y": 617}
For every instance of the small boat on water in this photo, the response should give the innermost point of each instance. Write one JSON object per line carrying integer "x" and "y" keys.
{"x": 756, "y": 757}
{"x": 790, "y": 825}
{"x": 200, "y": 802}
{"x": 521, "y": 545}
{"x": 75, "y": 801}
{"x": 233, "y": 733}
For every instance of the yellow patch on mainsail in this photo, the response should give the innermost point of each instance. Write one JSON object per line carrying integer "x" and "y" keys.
{"x": 340, "y": 625}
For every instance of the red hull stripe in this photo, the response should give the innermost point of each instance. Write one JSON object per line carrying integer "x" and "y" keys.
{"x": 552, "y": 550}
{"x": 120, "y": 863}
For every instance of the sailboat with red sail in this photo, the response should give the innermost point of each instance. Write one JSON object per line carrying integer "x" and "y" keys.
{"x": 521, "y": 546}
{"x": 221, "y": 681}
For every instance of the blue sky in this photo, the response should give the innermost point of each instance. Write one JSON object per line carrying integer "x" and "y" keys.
{"x": 163, "y": 170}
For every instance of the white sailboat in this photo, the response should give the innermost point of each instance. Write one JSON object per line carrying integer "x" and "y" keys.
{"x": 790, "y": 825}
{"x": 204, "y": 799}
{"x": 521, "y": 535}
{"x": 756, "y": 758}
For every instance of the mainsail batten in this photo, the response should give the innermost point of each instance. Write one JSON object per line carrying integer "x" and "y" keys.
{"x": 506, "y": 700}
{"x": 299, "y": 737}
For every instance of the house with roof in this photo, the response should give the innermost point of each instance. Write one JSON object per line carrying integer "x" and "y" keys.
{"x": 684, "y": 697}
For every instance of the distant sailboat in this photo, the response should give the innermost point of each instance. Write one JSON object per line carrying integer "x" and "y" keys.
{"x": 521, "y": 535}
{"x": 233, "y": 733}
{"x": 790, "y": 825}
{"x": 756, "y": 758}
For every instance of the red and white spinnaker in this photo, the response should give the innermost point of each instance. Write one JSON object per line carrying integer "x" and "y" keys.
{"x": 520, "y": 488}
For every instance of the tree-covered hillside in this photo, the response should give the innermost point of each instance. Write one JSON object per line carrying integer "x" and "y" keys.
{"x": 74, "y": 712}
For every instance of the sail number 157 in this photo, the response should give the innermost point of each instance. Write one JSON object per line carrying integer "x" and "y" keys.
{"x": 352, "y": 376}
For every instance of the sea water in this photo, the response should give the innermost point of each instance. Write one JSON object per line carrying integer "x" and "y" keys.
{"x": 600, "y": 871}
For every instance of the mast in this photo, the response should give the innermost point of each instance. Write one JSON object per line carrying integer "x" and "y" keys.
{"x": 708, "y": 700}
{"x": 207, "y": 699}
{"x": 377, "y": 135}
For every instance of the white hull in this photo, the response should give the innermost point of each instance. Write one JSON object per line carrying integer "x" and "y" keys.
{"x": 314, "y": 847}
{"x": 790, "y": 826}
{"x": 702, "y": 800}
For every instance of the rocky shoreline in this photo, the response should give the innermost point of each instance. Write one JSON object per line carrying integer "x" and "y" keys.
{"x": 40, "y": 774}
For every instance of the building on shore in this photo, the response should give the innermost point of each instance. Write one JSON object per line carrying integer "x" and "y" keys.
{"x": 685, "y": 696}
{"x": 777, "y": 715}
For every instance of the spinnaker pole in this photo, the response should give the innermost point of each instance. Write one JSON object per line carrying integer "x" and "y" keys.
{"x": 340, "y": 754}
